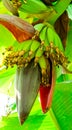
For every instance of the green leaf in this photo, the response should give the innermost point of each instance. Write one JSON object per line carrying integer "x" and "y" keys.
{"x": 6, "y": 38}
{"x": 62, "y": 105}
{"x": 68, "y": 50}
{"x": 7, "y": 81}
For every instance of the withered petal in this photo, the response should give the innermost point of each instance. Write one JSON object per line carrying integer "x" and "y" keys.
{"x": 21, "y": 29}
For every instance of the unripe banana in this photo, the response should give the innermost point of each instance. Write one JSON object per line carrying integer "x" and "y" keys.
{"x": 10, "y": 7}
{"x": 54, "y": 39}
{"x": 39, "y": 53}
{"x": 47, "y": 45}
{"x": 58, "y": 42}
{"x": 27, "y": 86}
{"x": 39, "y": 27}
{"x": 30, "y": 57}
{"x": 50, "y": 35}
{"x": 25, "y": 46}
{"x": 42, "y": 62}
{"x": 43, "y": 65}
{"x": 42, "y": 34}
{"x": 33, "y": 6}
{"x": 44, "y": 38}
{"x": 26, "y": 54}
{"x": 34, "y": 46}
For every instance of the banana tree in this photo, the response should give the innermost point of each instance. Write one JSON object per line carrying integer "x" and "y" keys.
{"x": 38, "y": 57}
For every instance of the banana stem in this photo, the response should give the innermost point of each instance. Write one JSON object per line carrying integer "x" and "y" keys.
{"x": 59, "y": 8}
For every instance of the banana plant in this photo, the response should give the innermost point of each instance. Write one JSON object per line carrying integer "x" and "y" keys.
{"x": 36, "y": 53}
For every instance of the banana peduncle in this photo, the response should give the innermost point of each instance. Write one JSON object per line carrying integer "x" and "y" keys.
{"x": 59, "y": 8}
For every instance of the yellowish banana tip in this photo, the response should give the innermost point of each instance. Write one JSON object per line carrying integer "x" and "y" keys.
{"x": 47, "y": 48}
{"x": 21, "y": 53}
{"x": 30, "y": 53}
{"x": 36, "y": 59}
{"x": 29, "y": 59}
{"x": 51, "y": 44}
{"x": 42, "y": 43}
{"x": 43, "y": 71}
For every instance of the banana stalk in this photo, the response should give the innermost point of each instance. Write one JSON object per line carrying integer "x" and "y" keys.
{"x": 27, "y": 86}
{"x": 60, "y": 7}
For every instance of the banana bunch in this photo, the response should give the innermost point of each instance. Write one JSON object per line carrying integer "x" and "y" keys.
{"x": 20, "y": 54}
{"x": 51, "y": 43}
{"x": 44, "y": 44}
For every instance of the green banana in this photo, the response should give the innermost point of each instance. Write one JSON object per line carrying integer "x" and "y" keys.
{"x": 42, "y": 34}
{"x": 47, "y": 44}
{"x": 39, "y": 27}
{"x": 44, "y": 38}
{"x": 34, "y": 46}
{"x": 25, "y": 46}
{"x": 22, "y": 54}
{"x": 39, "y": 53}
{"x": 42, "y": 62}
{"x": 58, "y": 42}
{"x": 26, "y": 54}
{"x": 50, "y": 35}
{"x": 33, "y": 6}
{"x": 54, "y": 40}
{"x": 36, "y": 8}
{"x": 10, "y": 7}
{"x": 27, "y": 86}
